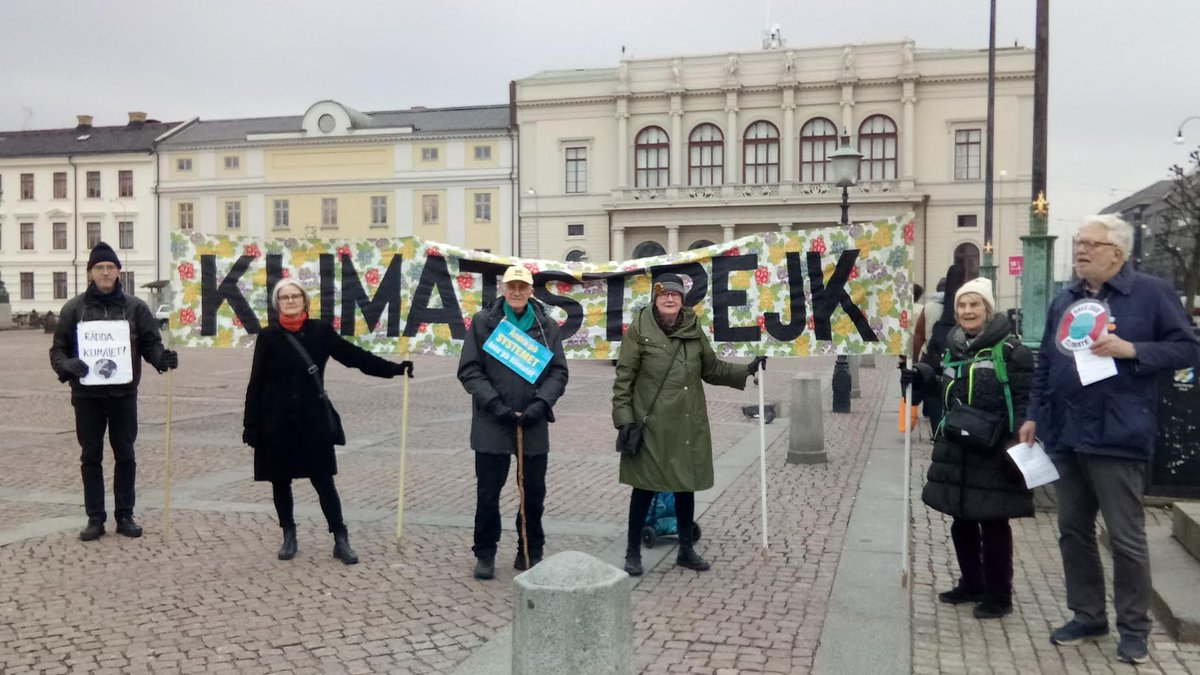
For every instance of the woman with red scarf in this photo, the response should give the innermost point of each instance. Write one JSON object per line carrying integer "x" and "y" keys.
{"x": 290, "y": 422}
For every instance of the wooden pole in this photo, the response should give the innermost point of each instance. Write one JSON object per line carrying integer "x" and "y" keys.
{"x": 167, "y": 449}
{"x": 521, "y": 491}
{"x": 761, "y": 376}
{"x": 403, "y": 456}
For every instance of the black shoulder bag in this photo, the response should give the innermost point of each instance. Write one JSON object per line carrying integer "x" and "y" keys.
{"x": 972, "y": 428}
{"x": 335, "y": 420}
{"x": 629, "y": 440}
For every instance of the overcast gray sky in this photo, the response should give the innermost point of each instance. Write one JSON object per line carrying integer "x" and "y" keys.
{"x": 1123, "y": 74}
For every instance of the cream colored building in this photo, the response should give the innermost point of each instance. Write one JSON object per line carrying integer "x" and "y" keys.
{"x": 64, "y": 190}
{"x": 665, "y": 154}
{"x": 444, "y": 174}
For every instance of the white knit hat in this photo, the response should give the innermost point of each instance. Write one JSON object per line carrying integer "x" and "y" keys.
{"x": 979, "y": 286}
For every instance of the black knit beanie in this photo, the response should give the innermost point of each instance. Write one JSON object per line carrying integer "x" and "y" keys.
{"x": 103, "y": 253}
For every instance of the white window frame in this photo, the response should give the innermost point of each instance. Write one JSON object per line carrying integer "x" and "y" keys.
{"x": 282, "y": 210}
{"x": 483, "y": 207}
{"x": 582, "y": 230}
{"x": 124, "y": 227}
{"x": 88, "y": 234}
{"x": 483, "y": 153}
{"x": 187, "y": 216}
{"x": 329, "y": 212}
{"x": 233, "y": 215}
{"x": 430, "y": 210}
{"x": 183, "y": 164}
{"x": 379, "y": 211}
{"x": 429, "y": 154}
{"x": 233, "y": 163}
{"x": 28, "y": 229}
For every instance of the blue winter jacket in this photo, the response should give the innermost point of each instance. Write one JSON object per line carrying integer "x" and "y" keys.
{"x": 1117, "y": 416}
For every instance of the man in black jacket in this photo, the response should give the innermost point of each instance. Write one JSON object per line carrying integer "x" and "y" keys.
{"x": 502, "y": 399}
{"x": 104, "y": 393}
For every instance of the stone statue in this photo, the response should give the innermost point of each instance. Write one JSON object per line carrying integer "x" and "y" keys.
{"x": 623, "y": 73}
{"x": 677, "y": 71}
{"x": 789, "y": 62}
{"x": 907, "y": 54}
{"x": 732, "y": 66}
{"x": 848, "y": 60}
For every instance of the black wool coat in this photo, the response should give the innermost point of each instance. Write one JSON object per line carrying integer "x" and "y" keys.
{"x": 486, "y": 378}
{"x": 974, "y": 485}
{"x": 285, "y": 418}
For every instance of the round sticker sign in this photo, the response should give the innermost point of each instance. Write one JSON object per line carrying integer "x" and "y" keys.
{"x": 1081, "y": 325}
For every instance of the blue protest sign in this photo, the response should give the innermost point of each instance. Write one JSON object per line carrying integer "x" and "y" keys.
{"x": 514, "y": 348}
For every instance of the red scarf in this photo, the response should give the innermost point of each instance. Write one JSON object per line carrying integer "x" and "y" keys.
{"x": 293, "y": 323}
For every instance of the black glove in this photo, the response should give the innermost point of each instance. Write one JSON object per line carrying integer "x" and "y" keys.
{"x": 250, "y": 437}
{"x": 622, "y": 434}
{"x": 404, "y": 367}
{"x": 74, "y": 368}
{"x": 497, "y": 408}
{"x": 756, "y": 364}
{"x": 169, "y": 360}
{"x": 533, "y": 412}
{"x": 907, "y": 377}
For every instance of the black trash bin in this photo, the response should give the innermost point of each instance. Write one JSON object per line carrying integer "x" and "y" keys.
{"x": 1175, "y": 465}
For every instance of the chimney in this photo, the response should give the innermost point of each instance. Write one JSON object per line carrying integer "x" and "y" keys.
{"x": 85, "y": 122}
{"x": 137, "y": 119}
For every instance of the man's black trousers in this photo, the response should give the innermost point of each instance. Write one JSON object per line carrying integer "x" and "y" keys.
{"x": 117, "y": 414}
{"x": 491, "y": 472}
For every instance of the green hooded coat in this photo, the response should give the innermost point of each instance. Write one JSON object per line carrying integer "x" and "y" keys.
{"x": 676, "y": 451}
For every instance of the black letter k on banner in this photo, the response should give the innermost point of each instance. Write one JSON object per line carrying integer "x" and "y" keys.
{"x": 827, "y": 297}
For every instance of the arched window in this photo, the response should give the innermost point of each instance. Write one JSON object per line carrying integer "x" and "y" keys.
{"x": 576, "y": 255}
{"x": 760, "y": 147}
{"x": 652, "y": 150}
{"x": 701, "y": 243}
{"x": 967, "y": 255}
{"x": 818, "y": 139}
{"x": 706, "y": 156}
{"x": 877, "y": 143}
{"x": 647, "y": 249}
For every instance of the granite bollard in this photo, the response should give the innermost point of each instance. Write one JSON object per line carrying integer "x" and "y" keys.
{"x": 572, "y": 614}
{"x": 855, "y": 364}
{"x": 806, "y": 430}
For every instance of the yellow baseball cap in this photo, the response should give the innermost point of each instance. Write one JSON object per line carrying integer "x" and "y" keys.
{"x": 517, "y": 273}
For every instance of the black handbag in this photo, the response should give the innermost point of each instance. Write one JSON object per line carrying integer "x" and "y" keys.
{"x": 336, "y": 432}
{"x": 968, "y": 426}
{"x": 629, "y": 438}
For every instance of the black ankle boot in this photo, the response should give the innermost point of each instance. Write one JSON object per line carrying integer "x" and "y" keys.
{"x": 690, "y": 559}
{"x": 288, "y": 550}
{"x": 342, "y": 550}
{"x": 633, "y": 561}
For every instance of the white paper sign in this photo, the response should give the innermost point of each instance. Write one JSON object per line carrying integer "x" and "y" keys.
{"x": 1094, "y": 368}
{"x": 106, "y": 349}
{"x": 1034, "y": 464}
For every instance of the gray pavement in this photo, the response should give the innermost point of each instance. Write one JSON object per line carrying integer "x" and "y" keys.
{"x": 209, "y": 595}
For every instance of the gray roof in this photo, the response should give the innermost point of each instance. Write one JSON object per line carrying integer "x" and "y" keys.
{"x": 1151, "y": 196}
{"x": 429, "y": 120}
{"x": 44, "y": 142}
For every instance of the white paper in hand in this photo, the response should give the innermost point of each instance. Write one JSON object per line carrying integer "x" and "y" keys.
{"x": 1034, "y": 464}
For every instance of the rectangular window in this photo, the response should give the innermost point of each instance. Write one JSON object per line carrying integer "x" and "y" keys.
{"x": 60, "y": 185}
{"x": 26, "y": 186}
{"x": 125, "y": 233}
{"x": 969, "y": 220}
{"x": 60, "y": 285}
{"x": 233, "y": 215}
{"x": 185, "y": 216}
{"x": 575, "y": 229}
{"x": 27, "y": 285}
{"x": 429, "y": 209}
{"x": 281, "y": 214}
{"x": 329, "y": 212}
{"x": 967, "y": 144}
{"x": 483, "y": 153}
{"x": 576, "y": 170}
{"x": 233, "y": 163}
{"x": 483, "y": 207}
{"x": 26, "y": 236}
{"x": 379, "y": 209}
{"x": 124, "y": 183}
{"x": 93, "y": 184}
{"x": 183, "y": 164}
{"x": 429, "y": 154}
{"x": 60, "y": 236}
{"x": 93, "y": 234}
{"x": 127, "y": 282}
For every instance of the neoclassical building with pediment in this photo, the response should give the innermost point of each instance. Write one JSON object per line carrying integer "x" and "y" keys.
{"x": 665, "y": 154}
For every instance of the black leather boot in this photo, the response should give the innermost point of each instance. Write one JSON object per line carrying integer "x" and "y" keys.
{"x": 485, "y": 568}
{"x": 93, "y": 531}
{"x": 288, "y": 550}
{"x": 633, "y": 561}
{"x": 128, "y": 527}
{"x": 342, "y": 550}
{"x": 690, "y": 559}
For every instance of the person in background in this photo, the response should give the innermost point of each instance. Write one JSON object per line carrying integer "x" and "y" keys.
{"x": 500, "y": 400}
{"x": 937, "y": 325}
{"x": 289, "y": 420}
{"x": 980, "y": 489}
{"x": 664, "y": 360}
{"x": 107, "y": 406}
{"x": 1101, "y": 435}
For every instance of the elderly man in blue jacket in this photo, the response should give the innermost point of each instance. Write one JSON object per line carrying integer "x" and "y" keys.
{"x": 1100, "y": 434}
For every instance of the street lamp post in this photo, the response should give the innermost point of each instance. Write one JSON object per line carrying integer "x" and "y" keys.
{"x": 1179, "y": 140}
{"x": 844, "y": 163}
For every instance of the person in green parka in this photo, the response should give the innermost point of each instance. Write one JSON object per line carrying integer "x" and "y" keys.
{"x": 665, "y": 358}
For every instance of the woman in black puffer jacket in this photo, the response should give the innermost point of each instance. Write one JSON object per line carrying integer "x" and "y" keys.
{"x": 980, "y": 490}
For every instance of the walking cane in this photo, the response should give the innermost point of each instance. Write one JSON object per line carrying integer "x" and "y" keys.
{"x": 167, "y": 450}
{"x": 521, "y": 490}
{"x": 761, "y": 378}
{"x": 403, "y": 454}
{"x": 905, "y": 425}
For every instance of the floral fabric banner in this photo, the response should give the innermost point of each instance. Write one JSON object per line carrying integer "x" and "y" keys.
{"x": 843, "y": 290}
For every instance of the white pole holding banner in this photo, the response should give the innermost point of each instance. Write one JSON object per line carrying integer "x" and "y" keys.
{"x": 167, "y": 448}
{"x": 907, "y": 421}
{"x": 760, "y": 376}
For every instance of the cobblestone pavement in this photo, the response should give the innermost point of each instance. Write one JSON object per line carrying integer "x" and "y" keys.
{"x": 209, "y": 595}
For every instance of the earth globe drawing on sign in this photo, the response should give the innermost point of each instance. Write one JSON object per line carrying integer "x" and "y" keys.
{"x": 1081, "y": 325}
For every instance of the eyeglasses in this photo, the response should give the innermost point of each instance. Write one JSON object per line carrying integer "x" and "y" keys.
{"x": 290, "y": 298}
{"x": 1088, "y": 244}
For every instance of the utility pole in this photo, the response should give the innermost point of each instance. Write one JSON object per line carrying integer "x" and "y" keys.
{"x": 1038, "y": 245}
{"x": 988, "y": 268}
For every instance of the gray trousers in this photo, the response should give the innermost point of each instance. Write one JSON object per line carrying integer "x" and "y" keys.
{"x": 1113, "y": 487}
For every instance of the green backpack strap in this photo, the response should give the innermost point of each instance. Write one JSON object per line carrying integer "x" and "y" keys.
{"x": 1001, "y": 368}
